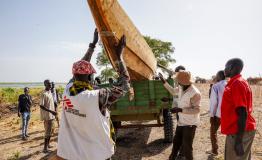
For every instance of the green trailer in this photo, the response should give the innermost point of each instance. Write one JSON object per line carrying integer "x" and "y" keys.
{"x": 146, "y": 105}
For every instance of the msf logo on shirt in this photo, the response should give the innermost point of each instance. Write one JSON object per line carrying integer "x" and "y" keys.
{"x": 67, "y": 103}
{"x": 69, "y": 107}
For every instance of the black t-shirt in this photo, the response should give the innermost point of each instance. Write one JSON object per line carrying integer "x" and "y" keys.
{"x": 24, "y": 103}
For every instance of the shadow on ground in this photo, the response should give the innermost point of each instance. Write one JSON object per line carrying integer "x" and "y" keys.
{"x": 132, "y": 144}
{"x": 16, "y": 138}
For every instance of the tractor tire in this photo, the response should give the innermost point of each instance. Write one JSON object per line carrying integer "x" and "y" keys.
{"x": 168, "y": 126}
{"x": 116, "y": 125}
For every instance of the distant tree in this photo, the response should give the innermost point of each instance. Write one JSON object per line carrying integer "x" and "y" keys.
{"x": 107, "y": 73}
{"x": 102, "y": 59}
{"x": 162, "y": 50}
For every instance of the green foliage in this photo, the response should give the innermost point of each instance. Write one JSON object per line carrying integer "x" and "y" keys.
{"x": 35, "y": 92}
{"x": 15, "y": 156}
{"x": 102, "y": 59}
{"x": 10, "y": 95}
{"x": 60, "y": 90}
{"x": 107, "y": 73}
{"x": 162, "y": 50}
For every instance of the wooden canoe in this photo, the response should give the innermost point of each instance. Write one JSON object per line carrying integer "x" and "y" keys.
{"x": 112, "y": 22}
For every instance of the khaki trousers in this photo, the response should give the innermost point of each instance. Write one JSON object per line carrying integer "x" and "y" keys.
{"x": 230, "y": 153}
{"x": 48, "y": 124}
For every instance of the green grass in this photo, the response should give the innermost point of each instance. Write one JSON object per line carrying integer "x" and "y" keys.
{"x": 15, "y": 156}
{"x": 10, "y": 95}
{"x": 60, "y": 90}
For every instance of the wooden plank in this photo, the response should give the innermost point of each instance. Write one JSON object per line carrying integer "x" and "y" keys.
{"x": 112, "y": 22}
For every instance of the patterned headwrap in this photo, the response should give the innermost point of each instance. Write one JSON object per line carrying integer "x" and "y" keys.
{"x": 83, "y": 67}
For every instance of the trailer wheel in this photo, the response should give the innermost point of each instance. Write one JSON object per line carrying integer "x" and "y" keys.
{"x": 116, "y": 125}
{"x": 168, "y": 125}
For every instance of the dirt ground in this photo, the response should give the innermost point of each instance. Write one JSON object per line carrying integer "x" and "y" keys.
{"x": 132, "y": 144}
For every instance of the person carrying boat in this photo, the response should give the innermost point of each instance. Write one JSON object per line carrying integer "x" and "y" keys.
{"x": 85, "y": 129}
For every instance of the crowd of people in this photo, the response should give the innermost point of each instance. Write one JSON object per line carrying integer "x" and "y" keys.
{"x": 89, "y": 105}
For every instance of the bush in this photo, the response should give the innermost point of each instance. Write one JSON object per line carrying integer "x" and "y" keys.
{"x": 60, "y": 90}
{"x": 10, "y": 95}
{"x": 15, "y": 156}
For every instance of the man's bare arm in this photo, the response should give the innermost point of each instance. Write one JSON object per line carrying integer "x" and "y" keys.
{"x": 90, "y": 51}
{"x": 48, "y": 110}
{"x": 108, "y": 96}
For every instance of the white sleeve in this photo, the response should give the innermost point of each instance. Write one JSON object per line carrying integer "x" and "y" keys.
{"x": 171, "y": 90}
{"x": 213, "y": 102}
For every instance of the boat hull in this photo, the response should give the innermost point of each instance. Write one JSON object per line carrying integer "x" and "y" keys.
{"x": 112, "y": 22}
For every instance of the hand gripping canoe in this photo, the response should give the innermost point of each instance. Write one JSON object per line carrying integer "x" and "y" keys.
{"x": 112, "y": 22}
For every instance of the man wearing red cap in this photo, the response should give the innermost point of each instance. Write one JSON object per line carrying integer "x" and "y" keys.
{"x": 84, "y": 132}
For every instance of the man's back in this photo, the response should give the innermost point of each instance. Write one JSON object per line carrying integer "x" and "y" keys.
{"x": 84, "y": 130}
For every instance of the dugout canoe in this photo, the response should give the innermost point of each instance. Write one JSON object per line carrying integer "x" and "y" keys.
{"x": 112, "y": 22}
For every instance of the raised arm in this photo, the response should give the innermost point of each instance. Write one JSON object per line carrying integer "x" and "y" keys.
{"x": 107, "y": 96}
{"x": 173, "y": 91}
{"x": 90, "y": 51}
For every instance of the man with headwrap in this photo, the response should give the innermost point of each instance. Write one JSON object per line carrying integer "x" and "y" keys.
{"x": 85, "y": 130}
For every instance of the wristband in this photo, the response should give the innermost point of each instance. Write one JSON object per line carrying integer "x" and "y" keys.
{"x": 91, "y": 45}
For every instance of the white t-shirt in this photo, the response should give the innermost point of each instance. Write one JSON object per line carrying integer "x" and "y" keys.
{"x": 84, "y": 133}
{"x": 185, "y": 102}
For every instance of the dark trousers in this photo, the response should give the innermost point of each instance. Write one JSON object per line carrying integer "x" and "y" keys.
{"x": 184, "y": 137}
{"x": 215, "y": 123}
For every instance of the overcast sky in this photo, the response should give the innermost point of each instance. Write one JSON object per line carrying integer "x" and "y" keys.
{"x": 41, "y": 39}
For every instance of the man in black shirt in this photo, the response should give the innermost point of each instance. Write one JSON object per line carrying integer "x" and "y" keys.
{"x": 24, "y": 104}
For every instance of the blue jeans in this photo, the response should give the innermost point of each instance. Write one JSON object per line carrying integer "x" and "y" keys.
{"x": 25, "y": 120}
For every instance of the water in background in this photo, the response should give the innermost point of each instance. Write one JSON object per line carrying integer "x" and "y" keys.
{"x": 30, "y": 85}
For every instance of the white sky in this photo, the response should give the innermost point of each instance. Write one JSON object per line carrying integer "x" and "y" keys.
{"x": 41, "y": 39}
